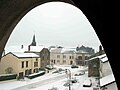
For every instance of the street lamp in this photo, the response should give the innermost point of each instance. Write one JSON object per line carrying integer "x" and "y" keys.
{"x": 69, "y": 74}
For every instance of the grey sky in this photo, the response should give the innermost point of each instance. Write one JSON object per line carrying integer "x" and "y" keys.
{"x": 55, "y": 23}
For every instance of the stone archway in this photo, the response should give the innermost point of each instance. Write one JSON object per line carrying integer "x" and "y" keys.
{"x": 11, "y": 12}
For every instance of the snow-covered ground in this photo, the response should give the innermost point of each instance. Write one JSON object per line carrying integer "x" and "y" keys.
{"x": 50, "y": 80}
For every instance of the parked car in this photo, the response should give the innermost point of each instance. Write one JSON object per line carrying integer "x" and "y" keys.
{"x": 74, "y": 66}
{"x": 56, "y": 71}
{"x": 80, "y": 73}
{"x": 59, "y": 71}
{"x": 87, "y": 83}
{"x": 73, "y": 81}
{"x": 49, "y": 67}
{"x": 68, "y": 83}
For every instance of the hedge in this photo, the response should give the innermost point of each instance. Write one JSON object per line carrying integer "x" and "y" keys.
{"x": 31, "y": 76}
{"x": 7, "y": 77}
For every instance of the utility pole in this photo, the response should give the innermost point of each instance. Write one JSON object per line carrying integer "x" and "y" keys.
{"x": 69, "y": 74}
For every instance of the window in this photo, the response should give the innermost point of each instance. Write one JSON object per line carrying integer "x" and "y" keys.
{"x": 51, "y": 60}
{"x": 58, "y": 61}
{"x": 70, "y": 57}
{"x": 34, "y": 70}
{"x": 54, "y": 61}
{"x": 80, "y": 57}
{"x": 22, "y": 64}
{"x": 64, "y": 61}
{"x": 36, "y": 59}
{"x": 71, "y": 62}
{"x": 64, "y": 56}
{"x": 58, "y": 56}
{"x": 26, "y": 63}
{"x": 35, "y": 64}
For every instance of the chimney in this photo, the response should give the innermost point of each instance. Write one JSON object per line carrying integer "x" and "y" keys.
{"x": 100, "y": 48}
{"x": 21, "y": 46}
{"x": 29, "y": 47}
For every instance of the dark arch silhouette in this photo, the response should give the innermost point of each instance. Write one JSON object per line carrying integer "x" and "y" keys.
{"x": 11, "y": 12}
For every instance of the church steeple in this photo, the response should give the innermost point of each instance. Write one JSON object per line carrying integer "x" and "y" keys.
{"x": 33, "y": 41}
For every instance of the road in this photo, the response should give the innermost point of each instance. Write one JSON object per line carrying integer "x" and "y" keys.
{"x": 41, "y": 82}
{"x": 44, "y": 81}
{"x": 50, "y": 80}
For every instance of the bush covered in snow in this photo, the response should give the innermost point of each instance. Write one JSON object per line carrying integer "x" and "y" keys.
{"x": 4, "y": 77}
{"x": 31, "y": 76}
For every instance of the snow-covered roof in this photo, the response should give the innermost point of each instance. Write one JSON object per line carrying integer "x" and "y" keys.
{"x": 87, "y": 82}
{"x": 81, "y": 51}
{"x": 107, "y": 80}
{"x": 101, "y": 56}
{"x": 55, "y": 50}
{"x": 15, "y": 49}
{"x": 25, "y": 48}
{"x": 24, "y": 55}
{"x": 68, "y": 50}
{"x": 36, "y": 48}
{"x": 104, "y": 59}
{"x": 93, "y": 58}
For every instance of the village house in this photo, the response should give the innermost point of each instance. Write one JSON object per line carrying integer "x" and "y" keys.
{"x": 82, "y": 57}
{"x": 20, "y": 63}
{"x": 98, "y": 65}
{"x": 68, "y": 56}
{"x": 40, "y": 50}
{"x": 94, "y": 63}
{"x": 100, "y": 68}
{"x": 55, "y": 56}
{"x": 43, "y": 53}
{"x": 62, "y": 56}
{"x": 94, "y": 67}
{"x": 24, "y": 60}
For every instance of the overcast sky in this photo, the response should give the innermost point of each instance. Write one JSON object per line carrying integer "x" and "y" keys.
{"x": 55, "y": 23}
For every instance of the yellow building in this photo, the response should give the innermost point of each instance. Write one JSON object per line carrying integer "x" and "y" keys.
{"x": 20, "y": 63}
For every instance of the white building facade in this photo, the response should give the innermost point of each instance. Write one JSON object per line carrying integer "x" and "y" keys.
{"x": 67, "y": 56}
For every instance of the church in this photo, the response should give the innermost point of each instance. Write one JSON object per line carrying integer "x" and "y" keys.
{"x": 42, "y": 51}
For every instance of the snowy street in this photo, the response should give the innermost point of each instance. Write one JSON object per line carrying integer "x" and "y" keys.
{"x": 50, "y": 80}
{"x": 41, "y": 82}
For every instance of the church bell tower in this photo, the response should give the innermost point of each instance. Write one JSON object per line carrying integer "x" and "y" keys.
{"x": 33, "y": 41}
